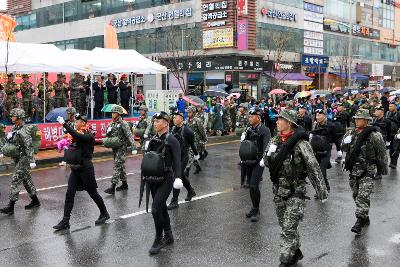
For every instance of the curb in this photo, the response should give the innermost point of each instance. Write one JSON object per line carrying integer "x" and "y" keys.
{"x": 7, "y": 164}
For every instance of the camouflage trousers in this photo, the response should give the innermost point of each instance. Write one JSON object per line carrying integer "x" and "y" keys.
{"x": 201, "y": 146}
{"x": 362, "y": 188}
{"x": 60, "y": 102}
{"x": 75, "y": 101}
{"x": 191, "y": 160}
{"x": 28, "y": 105}
{"x": 119, "y": 171}
{"x": 21, "y": 176}
{"x": 10, "y": 103}
{"x": 290, "y": 212}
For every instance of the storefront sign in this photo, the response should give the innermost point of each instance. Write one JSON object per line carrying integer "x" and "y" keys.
{"x": 242, "y": 26}
{"x": 218, "y": 38}
{"x": 219, "y": 23}
{"x": 366, "y": 32}
{"x": 313, "y": 8}
{"x": 377, "y": 70}
{"x": 213, "y": 63}
{"x": 282, "y": 15}
{"x": 313, "y": 43}
{"x": 312, "y": 16}
{"x": 283, "y": 67}
{"x": 313, "y": 50}
{"x": 314, "y": 35}
{"x": 242, "y": 7}
{"x": 313, "y": 26}
{"x": 314, "y": 61}
{"x": 161, "y": 16}
{"x": 336, "y": 26}
{"x": 215, "y": 10}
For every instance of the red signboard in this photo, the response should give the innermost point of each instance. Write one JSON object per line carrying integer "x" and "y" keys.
{"x": 52, "y": 132}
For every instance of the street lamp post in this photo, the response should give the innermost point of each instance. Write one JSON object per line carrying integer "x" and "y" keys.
{"x": 350, "y": 43}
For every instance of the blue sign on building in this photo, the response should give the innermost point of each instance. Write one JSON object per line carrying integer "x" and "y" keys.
{"x": 314, "y": 61}
{"x": 313, "y": 8}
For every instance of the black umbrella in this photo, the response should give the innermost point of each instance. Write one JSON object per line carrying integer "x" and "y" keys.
{"x": 215, "y": 91}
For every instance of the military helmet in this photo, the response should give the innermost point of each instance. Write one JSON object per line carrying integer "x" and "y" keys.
{"x": 17, "y": 112}
{"x": 71, "y": 110}
{"x": 289, "y": 115}
{"x": 244, "y": 105}
{"x": 363, "y": 114}
{"x": 191, "y": 109}
{"x": 144, "y": 108}
{"x": 117, "y": 109}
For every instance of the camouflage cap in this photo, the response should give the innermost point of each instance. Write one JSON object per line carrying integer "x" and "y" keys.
{"x": 191, "y": 109}
{"x": 71, "y": 110}
{"x": 60, "y": 75}
{"x": 363, "y": 114}
{"x": 289, "y": 115}
{"x": 117, "y": 109}
{"x": 143, "y": 107}
{"x": 17, "y": 112}
{"x": 25, "y": 75}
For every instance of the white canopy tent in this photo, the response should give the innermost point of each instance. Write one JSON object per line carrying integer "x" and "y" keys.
{"x": 39, "y": 58}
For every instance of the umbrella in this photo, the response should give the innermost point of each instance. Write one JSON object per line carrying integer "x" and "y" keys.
{"x": 321, "y": 92}
{"x": 215, "y": 91}
{"x": 391, "y": 98}
{"x": 235, "y": 95}
{"x": 222, "y": 86}
{"x": 108, "y": 107}
{"x": 236, "y": 90}
{"x": 277, "y": 92}
{"x": 52, "y": 115}
{"x": 302, "y": 94}
{"x": 194, "y": 100}
{"x": 337, "y": 89}
{"x": 388, "y": 89}
{"x": 396, "y": 93}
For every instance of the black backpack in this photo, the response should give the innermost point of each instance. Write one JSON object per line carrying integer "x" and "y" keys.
{"x": 153, "y": 164}
{"x": 248, "y": 149}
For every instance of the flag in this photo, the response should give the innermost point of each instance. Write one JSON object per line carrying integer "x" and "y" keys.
{"x": 110, "y": 37}
{"x": 7, "y": 26}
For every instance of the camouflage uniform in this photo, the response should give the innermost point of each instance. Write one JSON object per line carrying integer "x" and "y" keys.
{"x": 74, "y": 85}
{"x": 200, "y": 135}
{"x": 201, "y": 146}
{"x": 49, "y": 89}
{"x": 290, "y": 191}
{"x": 2, "y": 135}
{"x": 20, "y": 136}
{"x": 242, "y": 122}
{"x": 27, "y": 91}
{"x": 233, "y": 115}
{"x": 372, "y": 157}
{"x": 142, "y": 125}
{"x": 120, "y": 128}
{"x": 60, "y": 90}
{"x": 226, "y": 118}
{"x": 11, "y": 89}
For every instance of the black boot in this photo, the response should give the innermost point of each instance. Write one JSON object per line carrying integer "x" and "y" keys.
{"x": 168, "y": 238}
{"x": 357, "y": 226}
{"x": 190, "y": 195}
{"x": 158, "y": 244}
{"x": 256, "y": 216}
{"x": 110, "y": 190}
{"x": 34, "y": 203}
{"x": 63, "y": 224}
{"x": 173, "y": 205}
{"x": 366, "y": 221}
{"x": 298, "y": 255}
{"x": 198, "y": 169}
{"x": 102, "y": 218}
{"x": 124, "y": 186}
{"x": 284, "y": 264}
{"x": 378, "y": 177}
{"x": 201, "y": 156}
{"x": 205, "y": 154}
{"x": 9, "y": 209}
{"x": 251, "y": 213}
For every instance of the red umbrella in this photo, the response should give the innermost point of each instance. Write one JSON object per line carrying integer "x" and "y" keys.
{"x": 277, "y": 92}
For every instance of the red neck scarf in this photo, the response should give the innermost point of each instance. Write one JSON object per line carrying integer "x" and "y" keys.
{"x": 285, "y": 137}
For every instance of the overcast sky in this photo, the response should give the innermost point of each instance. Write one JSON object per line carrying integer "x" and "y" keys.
{"x": 3, "y": 4}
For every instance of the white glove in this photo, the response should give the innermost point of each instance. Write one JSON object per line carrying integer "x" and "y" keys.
{"x": 178, "y": 183}
{"x": 387, "y": 143}
{"x": 310, "y": 136}
{"x": 347, "y": 140}
{"x": 196, "y": 157}
{"x": 9, "y": 135}
{"x": 134, "y": 152}
{"x": 221, "y": 113}
{"x": 1, "y": 156}
{"x": 262, "y": 163}
{"x": 339, "y": 154}
{"x": 397, "y": 136}
{"x": 60, "y": 120}
{"x": 32, "y": 165}
{"x": 237, "y": 124}
{"x": 324, "y": 200}
{"x": 243, "y": 137}
{"x": 109, "y": 129}
{"x": 145, "y": 136}
{"x": 146, "y": 145}
{"x": 272, "y": 149}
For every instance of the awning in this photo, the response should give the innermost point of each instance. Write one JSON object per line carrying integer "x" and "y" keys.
{"x": 354, "y": 76}
{"x": 291, "y": 78}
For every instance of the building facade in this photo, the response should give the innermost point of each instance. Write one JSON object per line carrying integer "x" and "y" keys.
{"x": 241, "y": 43}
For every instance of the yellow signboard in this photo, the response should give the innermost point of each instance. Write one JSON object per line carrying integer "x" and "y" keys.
{"x": 218, "y": 38}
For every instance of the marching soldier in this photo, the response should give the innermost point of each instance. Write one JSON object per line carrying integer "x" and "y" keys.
{"x": 384, "y": 127}
{"x": 142, "y": 124}
{"x": 46, "y": 97}
{"x": 11, "y": 89}
{"x": 202, "y": 145}
{"x": 20, "y": 148}
{"x": 27, "y": 92}
{"x": 303, "y": 119}
{"x": 120, "y": 137}
{"x": 342, "y": 121}
{"x": 61, "y": 90}
{"x": 394, "y": 118}
{"x": 366, "y": 155}
{"x": 200, "y": 136}
{"x": 291, "y": 160}
{"x": 242, "y": 120}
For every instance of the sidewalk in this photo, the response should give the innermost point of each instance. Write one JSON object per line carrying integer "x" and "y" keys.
{"x": 51, "y": 156}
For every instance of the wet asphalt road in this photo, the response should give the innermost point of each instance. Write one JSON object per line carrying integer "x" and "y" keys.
{"x": 210, "y": 231}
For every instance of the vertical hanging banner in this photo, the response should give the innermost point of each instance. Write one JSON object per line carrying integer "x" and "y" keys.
{"x": 110, "y": 37}
{"x": 7, "y": 26}
{"x": 242, "y": 30}
{"x": 242, "y": 7}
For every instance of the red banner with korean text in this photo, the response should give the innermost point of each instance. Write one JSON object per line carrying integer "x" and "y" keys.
{"x": 53, "y": 132}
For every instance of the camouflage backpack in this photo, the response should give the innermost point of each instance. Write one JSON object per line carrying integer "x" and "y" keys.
{"x": 36, "y": 135}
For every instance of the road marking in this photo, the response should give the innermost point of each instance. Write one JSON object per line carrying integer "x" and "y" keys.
{"x": 180, "y": 202}
{"x": 395, "y": 239}
{"x": 65, "y": 185}
{"x": 103, "y": 159}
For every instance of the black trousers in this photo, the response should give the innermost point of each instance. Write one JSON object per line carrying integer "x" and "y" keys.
{"x": 160, "y": 194}
{"x": 97, "y": 109}
{"x": 394, "y": 155}
{"x": 254, "y": 176}
{"x": 185, "y": 180}
{"x": 73, "y": 186}
{"x": 243, "y": 177}
{"x": 324, "y": 163}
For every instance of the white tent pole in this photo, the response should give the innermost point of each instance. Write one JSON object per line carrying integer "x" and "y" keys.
{"x": 44, "y": 97}
{"x": 134, "y": 89}
{"x": 91, "y": 96}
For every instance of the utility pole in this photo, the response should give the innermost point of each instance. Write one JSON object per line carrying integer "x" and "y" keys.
{"x": 350, "y": 43}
